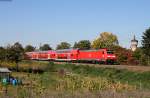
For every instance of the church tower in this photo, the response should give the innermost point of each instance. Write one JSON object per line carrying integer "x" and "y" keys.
{"x": 134, "y": 44}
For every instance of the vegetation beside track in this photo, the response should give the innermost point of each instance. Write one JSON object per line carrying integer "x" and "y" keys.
{"x": 141, "y": 80}
{"x": 70, "y": 79}
{"x": 28, "y": 66}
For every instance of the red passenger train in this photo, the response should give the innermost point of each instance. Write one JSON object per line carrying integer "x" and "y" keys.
{"x": 75, "y": 55}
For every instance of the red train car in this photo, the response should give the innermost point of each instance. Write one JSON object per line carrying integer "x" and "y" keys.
{"x": 51, "y": 55}
{"x": 31, "y": 55}
{"x": 100, "y": 55}
{"x": 41, "y": 55}
{"x": 67, "y": 54}
{"x": 28, "y": 55}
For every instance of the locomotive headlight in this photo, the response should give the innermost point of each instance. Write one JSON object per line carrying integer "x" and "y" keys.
{"x": 114, "y": 56}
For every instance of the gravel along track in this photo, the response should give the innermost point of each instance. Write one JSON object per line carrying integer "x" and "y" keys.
{"x": 128, "y": 67}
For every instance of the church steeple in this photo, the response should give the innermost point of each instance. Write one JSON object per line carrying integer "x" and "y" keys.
{"x": 134, "y": 44}
{"x": 134, "y": 38}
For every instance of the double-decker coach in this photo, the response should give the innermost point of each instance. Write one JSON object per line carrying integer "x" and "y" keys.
{"x": 41, "y": 55}
{"x": 99, "y": 55}
{"x": 67, "y": 55}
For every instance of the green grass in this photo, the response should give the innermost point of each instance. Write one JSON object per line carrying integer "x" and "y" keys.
{"x": 54, "y": 82}
{"x": 64, "y": 78}
{"x": 141, "y": 80}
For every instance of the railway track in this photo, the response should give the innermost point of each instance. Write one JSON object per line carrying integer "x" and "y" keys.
{"x": 128, "y": 67}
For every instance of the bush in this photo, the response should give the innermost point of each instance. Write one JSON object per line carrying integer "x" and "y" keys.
{"x": 35, "y": 66}
{"x": 29, "y": 66}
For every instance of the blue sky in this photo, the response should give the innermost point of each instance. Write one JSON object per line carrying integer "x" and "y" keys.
{"x": 52, "y": 21}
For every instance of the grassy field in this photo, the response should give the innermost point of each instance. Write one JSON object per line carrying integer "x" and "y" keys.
{"x": 71, "y": 81}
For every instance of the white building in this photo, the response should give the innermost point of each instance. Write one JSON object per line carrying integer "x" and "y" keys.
{"x": 134, "y": 44}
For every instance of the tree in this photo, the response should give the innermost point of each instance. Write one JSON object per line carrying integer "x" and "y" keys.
{"x": 125, "y": 56}
{"x": 75, "y": 45}
{"x": 137, "y": 54}
{"x": 140, "y": 57}
{"x": 63, "y": 45}
{"x": 146, "y": 42}
{"x": 2, "y": 54}
{"x": 15, "y": 53}
{"x": 105, "y": 40}
{"x": 29, "y": 48}
{"x": 83, "y": 44}
{"x": 121, "y": 53}
{"x": 45, "y": 47}
{"x": 146, "y": 45}
{"x": 18, "y": 47}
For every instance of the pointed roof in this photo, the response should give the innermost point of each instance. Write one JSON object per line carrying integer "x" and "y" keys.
{"x": 134, "y": 39}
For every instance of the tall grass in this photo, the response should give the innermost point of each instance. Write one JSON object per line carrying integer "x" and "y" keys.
{"x": 141, "y": 80}
{"x": 75, "y": 82}
{"x": 64, "y": 78}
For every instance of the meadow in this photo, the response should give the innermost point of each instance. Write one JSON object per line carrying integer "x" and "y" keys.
{"x": 49, "y": 80}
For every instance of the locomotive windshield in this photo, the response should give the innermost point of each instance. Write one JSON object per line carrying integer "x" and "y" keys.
{"x": 110, "y": 52}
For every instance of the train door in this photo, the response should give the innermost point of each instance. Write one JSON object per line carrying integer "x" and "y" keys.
{"x": 102, "y": 54}
{"x": 69, "y": 56}
{"x": 49, "y": 56}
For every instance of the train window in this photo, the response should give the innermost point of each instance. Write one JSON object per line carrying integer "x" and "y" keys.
{"x": 110, "y": 52}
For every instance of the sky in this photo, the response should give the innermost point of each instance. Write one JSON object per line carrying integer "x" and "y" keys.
{"x": 38, "y": 22}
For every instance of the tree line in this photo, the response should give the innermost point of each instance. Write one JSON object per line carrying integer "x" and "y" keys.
{"x": 141, "y": 56}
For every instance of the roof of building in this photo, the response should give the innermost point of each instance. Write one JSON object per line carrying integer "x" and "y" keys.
{"x": 134, "y": 39}
{"x": 4, "y": 70}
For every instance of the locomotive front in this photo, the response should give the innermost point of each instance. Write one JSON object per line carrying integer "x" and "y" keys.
{"x": 111, "y": 57}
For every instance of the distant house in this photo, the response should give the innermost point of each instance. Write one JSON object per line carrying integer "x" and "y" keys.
{"x": 4, "y": 72}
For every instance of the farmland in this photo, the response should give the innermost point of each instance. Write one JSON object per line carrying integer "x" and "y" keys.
{"x": 46, "y": 79}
